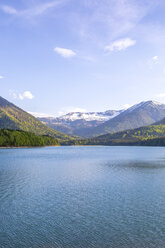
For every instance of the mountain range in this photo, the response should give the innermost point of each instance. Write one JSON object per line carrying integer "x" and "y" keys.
{"x": 141, "y": 122}
{"x": 111, "y": 121}
{"x": 148, "y": 135}
{"x": 78, "y": 123}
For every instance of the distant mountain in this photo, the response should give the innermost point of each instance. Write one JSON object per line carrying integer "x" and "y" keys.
{"x": 147, "y": 135}
{"x": 12, "y": 117}
{"x": 142, "y": 114}
{"x": 133, "y": 135}
{"x": 161, "y": 122}
{"x": 78, "y": 123}
{"x": 98, "y": 123}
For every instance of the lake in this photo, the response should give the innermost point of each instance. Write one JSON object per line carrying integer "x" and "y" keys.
{"x": 82, "y": 197}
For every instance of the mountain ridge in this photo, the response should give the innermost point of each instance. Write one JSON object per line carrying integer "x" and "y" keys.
{"x": 111, "y": 121}
{"x": 147, "y": 135}
{"x": 76, "y": 123}
{"x": 139, "y": 115}
{"x": 15, "y": 118}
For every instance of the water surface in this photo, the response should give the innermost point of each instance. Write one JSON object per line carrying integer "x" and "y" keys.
{"x": 82, "y": 197}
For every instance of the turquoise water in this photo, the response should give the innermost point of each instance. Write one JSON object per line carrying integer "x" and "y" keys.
{"x": 82, "y": 197}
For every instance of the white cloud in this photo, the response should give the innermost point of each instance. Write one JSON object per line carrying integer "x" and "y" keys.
{"x": 66, "y": 53}
{"x": 24, "y": 95}
{"x": 40, "y": 115}
{"x": 120, "y": 45}
{"x": 13, "y": 94}
{"x": 161, "y": 95}
{"x": 155, "y": 59}
{"x": 126, "y": 106}
{"x": 1, "y": 77}
{"x": 66, "y": 110}
{"x": 32, "y": 11}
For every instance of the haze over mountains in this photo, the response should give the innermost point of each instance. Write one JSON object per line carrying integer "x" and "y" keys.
{"x": 111, "y": 121}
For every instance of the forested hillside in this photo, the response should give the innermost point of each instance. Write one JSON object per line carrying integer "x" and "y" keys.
{"x": 14, "y": 118}
{"x": 137, "y": 136}
{"x": 15, "y": 138}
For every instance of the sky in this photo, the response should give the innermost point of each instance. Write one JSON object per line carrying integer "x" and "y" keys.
{"x": 60, "y": 56}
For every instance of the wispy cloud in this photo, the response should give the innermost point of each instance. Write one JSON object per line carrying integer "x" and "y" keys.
{"x": 161, "y": 95}
{"x": 21, "y": 96}
{"x": 32, "y": 11}
{"x": 110, "y": 19}
{"x": 69, "y": 109}
{"x": 126, "y": 106}
{"x": 40, "y": 115}
{"x": 1, "y": 77}
{"x": 9, "y": 10}
{"x": 66, "y": 53}
{"x": 156, "y": 60}
{"x": 120, "y": 45}
{"x": 13, "y": 94}
{"x": 89, "y": 58}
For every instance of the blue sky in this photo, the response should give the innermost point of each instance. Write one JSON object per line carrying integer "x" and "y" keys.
{"x": 59, "y": 56}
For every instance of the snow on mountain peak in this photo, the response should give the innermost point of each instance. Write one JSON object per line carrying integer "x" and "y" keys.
{"x": 144, "y": 103}
{"x": 90, "y": 116}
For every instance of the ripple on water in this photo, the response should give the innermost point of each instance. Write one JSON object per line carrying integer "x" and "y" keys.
{"x": 89, "y": 197}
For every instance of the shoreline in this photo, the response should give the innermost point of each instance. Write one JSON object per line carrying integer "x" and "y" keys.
{"x": 18, "y": 147}
{"x": 29, "y": 147}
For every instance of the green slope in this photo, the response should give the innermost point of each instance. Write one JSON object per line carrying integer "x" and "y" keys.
{"x": 129, "y": 137}
{"x": 14, "y": 138}
{"x": 12, "y": 117}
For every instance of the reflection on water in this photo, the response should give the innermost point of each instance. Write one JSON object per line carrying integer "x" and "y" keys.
{"x": 71, "y": 197}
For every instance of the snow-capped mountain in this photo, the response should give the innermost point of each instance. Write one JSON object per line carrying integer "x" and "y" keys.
{"x": 76, "y": 122}
{"x": 141, "y": 105}
{"x": 96, "y": 123}
{"x": 89, "y": 116}
{"x": 142, "y": 114}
